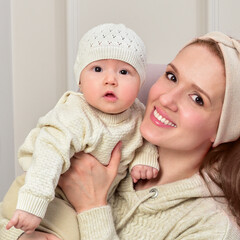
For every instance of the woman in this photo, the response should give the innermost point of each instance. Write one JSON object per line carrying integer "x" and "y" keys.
{"x": 196, "y": 194}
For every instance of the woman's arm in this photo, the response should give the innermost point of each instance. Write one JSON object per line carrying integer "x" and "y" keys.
{"x": 86, "y": 185}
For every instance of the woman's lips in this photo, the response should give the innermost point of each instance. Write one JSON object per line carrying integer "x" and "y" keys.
{"x": 161, "y": 119}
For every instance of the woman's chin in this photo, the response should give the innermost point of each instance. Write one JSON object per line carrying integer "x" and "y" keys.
{"x": 148, "y": 134}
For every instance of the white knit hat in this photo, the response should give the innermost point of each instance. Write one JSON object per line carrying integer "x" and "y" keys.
{"x": 229, "y": 125}
{"x": 111, "y": 41}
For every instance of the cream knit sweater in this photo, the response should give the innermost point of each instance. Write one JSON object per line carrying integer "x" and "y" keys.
{"x": 73, "y": 126}
{"x": 183, "y": 210}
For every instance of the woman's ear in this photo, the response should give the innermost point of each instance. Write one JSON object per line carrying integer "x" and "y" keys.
{"x": 212, "y": 139}
{"x": 80, "y": 86}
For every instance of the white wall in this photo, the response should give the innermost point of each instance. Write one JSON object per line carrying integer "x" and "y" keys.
{"x": 6, "y": 101}
{"x": 229, "y": 17}
{"x": 39, "y": 61}
{"x": 165, "y": 26}
{"x": 33, "y": 72}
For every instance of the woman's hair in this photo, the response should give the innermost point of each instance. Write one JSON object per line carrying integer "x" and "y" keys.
{"x": 211, "y": 45}
{"x": 222, "y": 163}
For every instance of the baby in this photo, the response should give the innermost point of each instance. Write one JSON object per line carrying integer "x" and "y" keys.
{"x": 109, "y": 69}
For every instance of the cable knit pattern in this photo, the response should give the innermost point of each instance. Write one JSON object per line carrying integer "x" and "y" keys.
{"x": 74, "y": 126}
{"x": 183, "y": 210}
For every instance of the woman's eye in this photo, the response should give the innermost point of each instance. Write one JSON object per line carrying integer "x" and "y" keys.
{"x": 97, "y": 69}
{"x": 124, "y": 72}
{"x": 171, "y": 76}
{"x": 197, "y": 99}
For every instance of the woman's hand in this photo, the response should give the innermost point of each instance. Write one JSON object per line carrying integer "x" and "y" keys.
{"x": 38, "y": 236}
{"x": 87, "y": 181}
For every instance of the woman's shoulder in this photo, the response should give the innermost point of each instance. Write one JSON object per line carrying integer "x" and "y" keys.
{"x": 223, "y": 214}
{"x": 232, "y": 230}
{"x": 196, "y": 216}
{"x": 212, "y": 217}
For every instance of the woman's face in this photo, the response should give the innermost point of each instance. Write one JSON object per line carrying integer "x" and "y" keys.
{"x": 184, "y": 105}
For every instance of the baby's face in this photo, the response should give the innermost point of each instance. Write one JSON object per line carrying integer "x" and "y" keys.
{"x": 110, "y": 85}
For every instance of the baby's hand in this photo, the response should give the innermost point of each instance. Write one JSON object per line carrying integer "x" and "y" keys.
{"x": 24, "y": 220}
{"x": 143, "y": 172}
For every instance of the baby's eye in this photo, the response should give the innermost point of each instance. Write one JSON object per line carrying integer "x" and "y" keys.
{"x": 97, "y": 69}
{"x": 124, "y": 72}
{"x": 197, "y": 99}
{"x": 171, "y": 76}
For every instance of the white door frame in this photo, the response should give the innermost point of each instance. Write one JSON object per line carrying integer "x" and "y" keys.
{"x": 213, "y": 15}
{"x": 72, "y": 39}
{"x": 7, "y": 156}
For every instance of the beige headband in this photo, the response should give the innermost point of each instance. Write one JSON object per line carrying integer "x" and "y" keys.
{"x": 229, "y": 125}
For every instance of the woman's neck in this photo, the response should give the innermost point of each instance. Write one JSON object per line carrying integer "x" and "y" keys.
{"x": 174, "y": 166}
{"x": 177, "y": 165}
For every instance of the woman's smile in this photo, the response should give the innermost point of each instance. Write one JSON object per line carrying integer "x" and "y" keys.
{"x": 186, "y": 99}
{"x": 161, "y": 119}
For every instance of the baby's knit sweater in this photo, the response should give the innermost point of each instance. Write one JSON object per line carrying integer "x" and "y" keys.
{"x": 73, "y": 126}
{"x": 182, "y": 210}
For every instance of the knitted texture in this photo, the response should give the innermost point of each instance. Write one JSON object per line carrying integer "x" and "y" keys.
{"x": 74, "y": 126}
{"x": 229, "y": 125}
{"x": 111, "y": 41}
{"x": 182, "y": 210}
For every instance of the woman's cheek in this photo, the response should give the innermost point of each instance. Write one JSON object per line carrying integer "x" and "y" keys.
{"x": 201, "y": 125}
{"x": 193, "y": 120}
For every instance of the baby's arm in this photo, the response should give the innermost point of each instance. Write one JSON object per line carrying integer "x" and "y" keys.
{"x": 143, "y": 172}
{"x": 24, "y": 221}
{"x": 58, "y": 137}
{"x": 145, "y": 164}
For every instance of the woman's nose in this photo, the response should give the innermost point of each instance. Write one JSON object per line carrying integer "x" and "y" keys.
{"x": 110, "y": 79}
{"x": 170, "y": 99}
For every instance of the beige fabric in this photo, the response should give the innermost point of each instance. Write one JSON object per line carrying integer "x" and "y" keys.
{"x": 60, "y": 218}
{"x": 74, "y": 126}
{"x": 183, "y": 210}
{"x": 229, "y": 125}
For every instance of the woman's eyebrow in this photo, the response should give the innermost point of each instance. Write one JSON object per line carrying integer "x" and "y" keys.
{"x": 193, "y": 85}
{"x": 174, "y": 68}
{"x": 201, "y": 91}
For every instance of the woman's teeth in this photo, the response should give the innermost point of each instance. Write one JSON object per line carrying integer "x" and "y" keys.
{"x": 162, "y": 119}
